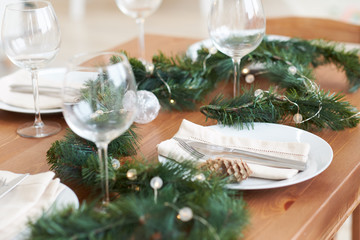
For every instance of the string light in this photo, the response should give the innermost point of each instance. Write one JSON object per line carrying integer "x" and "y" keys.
{"x": 199, "y": 177}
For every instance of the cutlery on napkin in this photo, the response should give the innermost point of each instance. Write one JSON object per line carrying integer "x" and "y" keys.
{"x": 12, "y": 94}
{"x": 27, "y": 201}
{"x": 293, "y": 152}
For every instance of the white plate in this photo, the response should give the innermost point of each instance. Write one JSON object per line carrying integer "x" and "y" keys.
{"x": 65, "y": 198}
{"x": 207, "y": 43}
{"x": 320, "y": 155}
{"x": 56, "y": 74}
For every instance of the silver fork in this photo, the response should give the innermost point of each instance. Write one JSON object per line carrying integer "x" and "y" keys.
{"x": 189, "y": 148}
{"x": 256, "y": 158}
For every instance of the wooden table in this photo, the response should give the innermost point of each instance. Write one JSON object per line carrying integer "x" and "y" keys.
{"x": 314, "y": 209}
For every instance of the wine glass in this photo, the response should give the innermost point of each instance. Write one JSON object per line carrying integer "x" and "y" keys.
{"x": 99, "y": 101}
{"x": 31, "y": 39}
{"x": 236, "y": 28}
{"x": 139, "y": 9}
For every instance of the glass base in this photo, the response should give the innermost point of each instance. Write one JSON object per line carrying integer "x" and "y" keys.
{"x": 29, "y": 130}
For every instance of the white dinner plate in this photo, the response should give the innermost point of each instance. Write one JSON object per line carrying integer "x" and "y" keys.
{"x": 207, "y": 43}
{"x": 320, "y": 155}
{"x": 55, "y": 74}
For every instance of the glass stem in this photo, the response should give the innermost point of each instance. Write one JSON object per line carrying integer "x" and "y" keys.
{"x": 237, "y": 73}
{"x": 104, "y": 173}
{"x": 38, "y": 123}
{"x": 140, "y": 23}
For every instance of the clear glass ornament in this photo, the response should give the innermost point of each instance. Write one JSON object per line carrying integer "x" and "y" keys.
{"x": 185, "y": 214}
{"x": 298, "y": 118}
{"x": 148, "y": 107}
{"x": 115, "y": 163}
{"x": 292, "y": 70}
{"x": 131, "y": 174}
{"x": 250, "y": 78}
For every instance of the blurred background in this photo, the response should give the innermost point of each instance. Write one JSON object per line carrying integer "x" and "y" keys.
{"x": 92, "y": 25}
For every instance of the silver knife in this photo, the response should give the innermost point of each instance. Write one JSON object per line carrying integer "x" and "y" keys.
{"x": 5, "y": 189}
{"x": 247, "y": 155}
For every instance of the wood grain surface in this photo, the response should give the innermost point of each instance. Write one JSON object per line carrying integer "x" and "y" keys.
{"x": 314, "y": 209}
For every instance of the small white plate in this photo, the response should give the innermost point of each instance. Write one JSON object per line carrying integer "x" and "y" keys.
{"x": 55, "y": 74}
{"x": 320, "y": 155}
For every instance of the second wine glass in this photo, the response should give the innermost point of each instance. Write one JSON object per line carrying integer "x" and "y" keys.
{"x": 139, "y": 9}
{"x": 100, "y": 102}
{"x": 236, "y": 28}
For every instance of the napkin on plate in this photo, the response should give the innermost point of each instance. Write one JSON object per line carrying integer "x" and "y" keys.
{"x": 190, "y": 131}
{"x": 27, "y": 201}
{"x": 26, "y": 100}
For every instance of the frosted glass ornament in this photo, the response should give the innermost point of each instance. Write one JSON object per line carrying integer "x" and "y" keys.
{"x": 148, "y": 107}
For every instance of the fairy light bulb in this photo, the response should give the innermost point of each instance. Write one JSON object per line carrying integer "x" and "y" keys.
{"x": 245, "y": 71}
{"x": 185, "y": 214}
{"x": 172, "y": 101}
{"x": 131, "y": 174}
{"x": 199, "y": 177}
{"x": 213, "y": 50}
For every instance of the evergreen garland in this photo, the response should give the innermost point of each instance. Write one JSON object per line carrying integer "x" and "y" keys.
{"x": 218, "y": 213}
{"x": 135, "y": 214}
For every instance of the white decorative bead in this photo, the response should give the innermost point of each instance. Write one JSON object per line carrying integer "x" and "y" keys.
{"x": 148, "y": 107}
{"x": 259, "y": 93}
{"x": 131, "y": 174}
{"x": 199, "y": 177}
{"x": 149, "y": 68}
{"x": 292, "y": 70}
{"x": 298, "y": 118}
{"x": 185, "y": 214}
{"x": 212, "y": 50}
{"x": 156, "y": 183}
{"x": 115, "y": 163}
{"x": 250, "y": 78}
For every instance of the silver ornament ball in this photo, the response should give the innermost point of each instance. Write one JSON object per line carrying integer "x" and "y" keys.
{"x": 148, "y": 107}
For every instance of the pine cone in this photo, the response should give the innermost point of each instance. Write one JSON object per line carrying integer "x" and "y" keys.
{"x": 237, "y": 169}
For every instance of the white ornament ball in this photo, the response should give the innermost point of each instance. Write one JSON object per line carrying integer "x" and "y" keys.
{"x": 115, "y": 163}
{"x": 298, "y": 118}
{"x": 250, "y": 78}
{"x": 156, "y": 183}
{"x": 131, "y": 174}
{"x": 185, "y": 214}
{"x": 148, "y": 107}
{"x": 292, "y": 70}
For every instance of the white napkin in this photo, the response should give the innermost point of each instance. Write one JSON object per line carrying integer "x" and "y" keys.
{"x": 26, "y": 100}
{"x": 289, "y": 150}
{"x": 27, "y": 201}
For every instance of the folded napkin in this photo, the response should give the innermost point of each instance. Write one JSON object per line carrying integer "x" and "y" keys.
{"x": 26, "y": 100}
{"x": 293, "y": 151}
{"x": 27, "y": 201}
